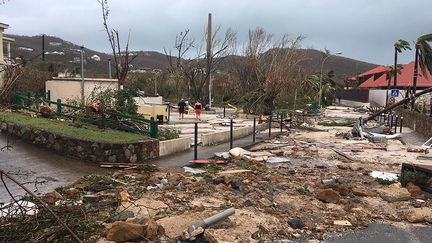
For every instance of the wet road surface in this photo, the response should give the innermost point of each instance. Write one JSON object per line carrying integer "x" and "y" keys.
{"x": 40, "y": 170}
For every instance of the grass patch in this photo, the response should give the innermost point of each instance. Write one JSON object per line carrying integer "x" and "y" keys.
{"x": 69, "y": 129}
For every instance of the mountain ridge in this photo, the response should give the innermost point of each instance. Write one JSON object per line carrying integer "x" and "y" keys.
{"x": 66, "y": 55}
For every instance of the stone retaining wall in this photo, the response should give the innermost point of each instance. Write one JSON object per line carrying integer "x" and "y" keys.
{"x": 86, "y": 150}
{"x": 416, "y": 121}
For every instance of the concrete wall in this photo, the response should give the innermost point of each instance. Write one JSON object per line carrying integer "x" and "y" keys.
{"x": 377, "y": 97}
{"x": 1, "y": 44}
{"x": 224, "y": 136}
{"x": 174, "y": 146}
{"x": 353, "y": 103}
{"x": 149, "y": 100}
{"x": 70, "y": 88}
{"x": 152, "y": 110}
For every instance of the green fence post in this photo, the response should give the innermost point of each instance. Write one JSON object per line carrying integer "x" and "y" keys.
{"x": 48, "y": 97}
{"x": 29, "y": 103}
{"x": 59, "y": 107}
{"x": 153, "y": 128}
{"x": 17, "y": 100}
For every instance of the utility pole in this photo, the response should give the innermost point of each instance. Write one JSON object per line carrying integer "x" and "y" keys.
{"x": 82, "y": 76}
{"x": 209, "y": 56}
{"x": 43, "y": 47}
{"x": 109, "y": 68}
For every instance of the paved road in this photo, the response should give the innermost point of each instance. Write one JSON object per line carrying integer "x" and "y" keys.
{"x": 386, "y": 233}
{"x": 28, "y": 164}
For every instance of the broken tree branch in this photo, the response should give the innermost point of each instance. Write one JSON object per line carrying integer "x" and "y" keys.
{"x": 43, "y": 204}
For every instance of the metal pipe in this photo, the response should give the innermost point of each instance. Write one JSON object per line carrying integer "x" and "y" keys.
{"x": 109, "y": 68}
{"x": 254, "y": 130}
{"x": 401, "y": 122}
{"x": 281, "y": 120}
{"x": 209, "y": 221}
{"x": 231, "y": 133}
{"x": 196, "y": 142}
{"x": 396, "y": 124}
{"x": 270, "y": 124}
{"x": 82, "y": 77}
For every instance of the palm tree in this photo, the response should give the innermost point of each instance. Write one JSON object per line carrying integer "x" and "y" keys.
{"x": 423, "y": 58}
{"x": 398, "y": 46}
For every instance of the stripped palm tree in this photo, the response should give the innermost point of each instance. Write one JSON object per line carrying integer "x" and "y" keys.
{"x": 398, "y": 47}
{"x": 423, "y": 58}
{"x": 393, "y": 72}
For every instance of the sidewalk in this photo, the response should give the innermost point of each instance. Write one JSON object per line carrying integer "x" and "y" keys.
{"x": 183, "y": 158}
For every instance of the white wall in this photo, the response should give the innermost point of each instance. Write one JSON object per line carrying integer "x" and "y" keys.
{"x": 70, "y": 88}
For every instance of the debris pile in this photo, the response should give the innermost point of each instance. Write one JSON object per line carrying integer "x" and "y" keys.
{"x": 300, "y": 185}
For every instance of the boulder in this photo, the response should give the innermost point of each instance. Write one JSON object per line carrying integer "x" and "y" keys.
{"x": 394, "y": 194}
{"x": 417, "y": 215}
{"x": 73, "y": 194}
{"x": 362, "y": 192}
{"x": 328, "y": 196}
{"x": 52, "y": 197}
{"x": 123, "y": 231}
{"x": 414, "y": 190}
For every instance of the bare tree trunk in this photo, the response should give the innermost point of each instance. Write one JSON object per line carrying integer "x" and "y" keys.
{"x": 415, "y": 76}
{"x": 391, "y": 107}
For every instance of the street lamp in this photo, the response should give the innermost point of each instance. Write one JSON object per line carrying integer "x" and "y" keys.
{"x": 82, "y": 76}
{"x": 322, "y": 66}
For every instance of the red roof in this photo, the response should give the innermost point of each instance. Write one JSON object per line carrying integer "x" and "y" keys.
{"x": 379, "y": 69}
{"x": 404, "y": 79}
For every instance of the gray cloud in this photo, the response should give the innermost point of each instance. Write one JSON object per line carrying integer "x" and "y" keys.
{"x": 361, "y": 29}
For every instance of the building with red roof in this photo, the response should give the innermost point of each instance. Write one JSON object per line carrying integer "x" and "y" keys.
{"x": 379, "y": 77}
{"x": 373, "y": 85}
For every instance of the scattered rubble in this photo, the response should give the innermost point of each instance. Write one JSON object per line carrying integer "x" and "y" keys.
{"x": 300, "y": 185}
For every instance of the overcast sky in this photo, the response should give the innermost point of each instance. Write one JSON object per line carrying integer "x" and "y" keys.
{"x": 361, "y": 29}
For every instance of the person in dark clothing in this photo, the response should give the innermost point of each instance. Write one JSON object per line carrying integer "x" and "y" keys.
{"x": 182, "y": 108}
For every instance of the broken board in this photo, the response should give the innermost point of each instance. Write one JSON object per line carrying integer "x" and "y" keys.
{"x": 206, "y": 161}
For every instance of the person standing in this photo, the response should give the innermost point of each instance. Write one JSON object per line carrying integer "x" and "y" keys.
{"x": 182, "y": 108}
{"x": 198, "y": 109}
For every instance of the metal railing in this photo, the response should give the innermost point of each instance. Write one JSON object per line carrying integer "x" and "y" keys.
{"x": 32, "y": 102}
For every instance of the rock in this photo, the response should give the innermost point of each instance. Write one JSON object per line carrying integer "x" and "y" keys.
{"x": 394, "y": 194}
{"x": 343, "y": 167}
{"x": 122, "y": 216}
{"x": 112, "y": 158}
{"x": 328, "y": 196}
{"x": 73, "y": 193}
{"x": 327, "y": 182}
{"x": 52, "y": 197}
{"x": 123, "y": 196}
{"x": 362, "y": 192}
{"x": 265, "y": 202}
{"x": 296, "y": 223}
{"x": 127, "y": 153}
{"x": 342, "y": 223}
{"x": 91, "y": 198}
{"x": 417, "y": 215}
{"x": 133, "y": 158}
{"x": 123, "y": 231}
{"x": 414, "y": 190}
{"x": 219, "y": 180}
{"x": 247, "y": 203}
{"x": 236, "y": 184}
